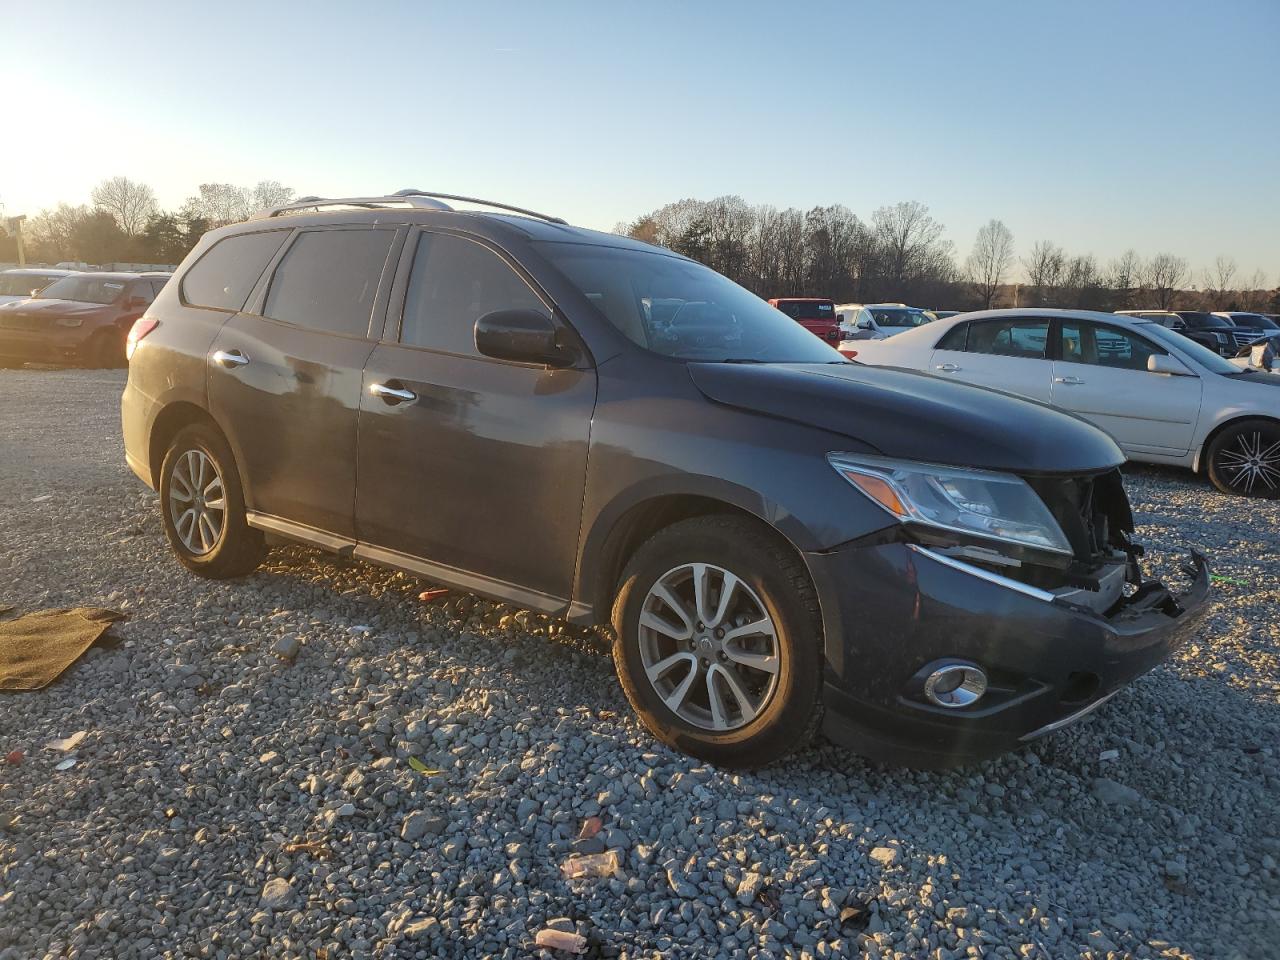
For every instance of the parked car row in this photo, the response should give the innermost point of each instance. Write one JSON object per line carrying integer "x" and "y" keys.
{"x": 1163, "y": 397}
{"x": 1225, "y": 333}
{"x": 67, "y": 317}
{"x": 780, "y": 540}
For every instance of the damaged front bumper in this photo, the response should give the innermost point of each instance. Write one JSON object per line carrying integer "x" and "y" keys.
{"x": 896, "y": 612}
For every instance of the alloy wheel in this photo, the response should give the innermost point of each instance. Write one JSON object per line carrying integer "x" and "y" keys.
{"x": 1252, "y": 462}
{"x": 197, "y": 501}
{"x": 709, "y": 647}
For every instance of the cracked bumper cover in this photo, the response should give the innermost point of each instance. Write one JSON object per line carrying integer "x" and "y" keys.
{"x": 891, "y": 610}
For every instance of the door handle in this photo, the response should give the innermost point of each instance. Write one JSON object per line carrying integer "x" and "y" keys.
{"x": 947, "y": 367}
{"x": 392, "y": 395}
{"x": 230, "y": 358}
{"x": 1069, "y": 381}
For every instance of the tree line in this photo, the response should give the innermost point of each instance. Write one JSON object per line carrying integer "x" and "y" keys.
{"x": 125, "y": 223}
{"x": 901, "y": 254}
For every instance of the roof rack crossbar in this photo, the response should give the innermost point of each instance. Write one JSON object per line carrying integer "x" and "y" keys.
{"x": 410, "y": 198}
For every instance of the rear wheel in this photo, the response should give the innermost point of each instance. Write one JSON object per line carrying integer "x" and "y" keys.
{"x": 203, "y": 506}
{"x": 718, "y": 641}
{"x": 1245, "y": 459}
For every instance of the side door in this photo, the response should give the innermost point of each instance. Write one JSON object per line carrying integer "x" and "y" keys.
{"x": 1008, "y": 353}
{"x": 1101, "y": 374}
{"x": 285, "y": 374}
{"x": 473, "y": 470}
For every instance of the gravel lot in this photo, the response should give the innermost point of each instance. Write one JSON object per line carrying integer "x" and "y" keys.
{"x": 229, "y": 802}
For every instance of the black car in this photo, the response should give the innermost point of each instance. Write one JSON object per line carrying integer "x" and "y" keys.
{"x": 1228, "y": 336}
{"x": 778, "y": 540}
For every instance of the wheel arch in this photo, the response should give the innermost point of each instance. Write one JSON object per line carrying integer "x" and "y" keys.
{"x": 170, "y": 420}
{"x": 1202, "y": 454}
{"x": 636, "y": 524}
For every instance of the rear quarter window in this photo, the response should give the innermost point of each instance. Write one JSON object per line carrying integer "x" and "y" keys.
{"x": 223, "y": 278}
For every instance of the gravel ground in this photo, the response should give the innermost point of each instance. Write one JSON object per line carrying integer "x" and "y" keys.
{"x": 228, "y": 801}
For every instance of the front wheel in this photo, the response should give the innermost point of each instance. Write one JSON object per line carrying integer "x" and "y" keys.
{"x": 718, "y": 641}
{"x": 1245, "y": 459}
{"x": 203, "y": 506}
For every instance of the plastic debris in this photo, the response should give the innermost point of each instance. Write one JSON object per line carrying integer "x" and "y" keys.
{"x": 66, "y": 764}
{"x": 423, "y": 769}
{"x": 1219, "y": 578}
{"x": 426, "y": 596}
{"x": 67, "y": 743}
{"x": 1109, "y": 755}
{"x": 14, "y": 757}
{"x": 590, "y": 865}
{"x": 590, "y": 827}
{"x": 559, "y": 940}
{"x": 43, "y": 498}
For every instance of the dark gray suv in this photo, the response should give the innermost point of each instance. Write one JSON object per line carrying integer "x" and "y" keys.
{"x": 780, "y": 540}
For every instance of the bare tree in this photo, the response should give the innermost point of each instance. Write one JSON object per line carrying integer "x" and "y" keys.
{"x": 909, "y": 245}
{"x": 131, "y": 203}
{"x": 989, "y": 262}
{"x": 1045, "y": 265}
{"x": 270, "y": 193}
{"x": 1164, "y": 275}
{"x": 1255, "y": 295}
{"x": 1217, "y": 282}
{"x": 1124, "y": 279}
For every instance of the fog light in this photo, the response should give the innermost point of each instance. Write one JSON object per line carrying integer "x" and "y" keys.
{"x": 955, "y": 685}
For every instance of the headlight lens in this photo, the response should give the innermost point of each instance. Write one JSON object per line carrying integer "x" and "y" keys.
{"x": 69, "y": 321}
{"x": 993, "y": 506}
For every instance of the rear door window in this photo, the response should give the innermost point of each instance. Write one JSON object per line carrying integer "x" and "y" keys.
{"x": 453, "y": 283}
{"x": 224, "y": 276}
{"x": 1014, "y": 337}
{"x": 328, "y": 280}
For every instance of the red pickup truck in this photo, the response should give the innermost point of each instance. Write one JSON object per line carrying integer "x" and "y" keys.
{"x": 815, "y": 314}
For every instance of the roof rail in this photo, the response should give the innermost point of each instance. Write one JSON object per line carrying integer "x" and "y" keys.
{"x": 421, "y": 199}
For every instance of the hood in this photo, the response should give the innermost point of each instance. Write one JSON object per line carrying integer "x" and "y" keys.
{"x": 52, "y": 309}
{"x": 902, "y": 413}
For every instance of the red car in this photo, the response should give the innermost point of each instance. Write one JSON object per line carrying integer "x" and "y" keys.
{"x": 81, "y": 319}
{"x": 815, "y": 314}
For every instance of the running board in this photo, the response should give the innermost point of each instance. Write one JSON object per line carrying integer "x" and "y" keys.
{"x": 436, "y": 572}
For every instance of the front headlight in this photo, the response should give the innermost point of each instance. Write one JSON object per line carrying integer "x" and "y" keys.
{"x": 992, "y": 506}
{"x": 69, "y": 321}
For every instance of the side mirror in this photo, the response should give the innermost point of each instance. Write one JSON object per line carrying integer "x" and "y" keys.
{"x": 525, "y": 336}
{"x": 1166, "y": 364}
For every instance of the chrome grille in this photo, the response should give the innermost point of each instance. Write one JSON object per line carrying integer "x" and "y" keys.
{"x": 19, "y": 321}
{"x": 1243, "y": 338}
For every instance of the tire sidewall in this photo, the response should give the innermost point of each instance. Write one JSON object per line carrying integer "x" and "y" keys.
{"x": 786, "y": 720}
{"x": 235, "y": 531}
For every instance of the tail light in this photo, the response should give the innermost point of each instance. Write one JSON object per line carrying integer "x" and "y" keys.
{"x": 848, "y": 353}
{"x": 141, "y": 327}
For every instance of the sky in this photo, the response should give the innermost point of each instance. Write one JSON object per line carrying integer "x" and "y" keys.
{"x": 1151, "y": 124}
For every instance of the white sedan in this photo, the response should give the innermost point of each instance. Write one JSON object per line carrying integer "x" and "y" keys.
{"x": 1164, "y": 398}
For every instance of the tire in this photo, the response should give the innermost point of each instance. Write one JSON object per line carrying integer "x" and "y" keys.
{"x": 1244, "y": 459}
{"x": 217, "y": 551}
{"x": 105, "y": 351}
{"x": 784, "y": 707}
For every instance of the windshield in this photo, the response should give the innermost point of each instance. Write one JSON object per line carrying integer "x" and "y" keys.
{"x": 808, "y": 309}
{"x": 900, "y": 317}
{"x": 83, "y": 289}
{"x": 682, "y": 309}
{"x": 1200, "y": 354}
{"x": 21, "y": 284}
